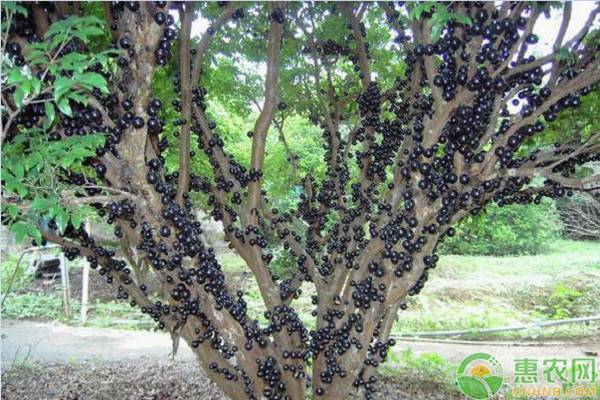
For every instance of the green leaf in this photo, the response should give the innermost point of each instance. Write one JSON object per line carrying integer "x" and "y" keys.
{"x": 62, "y": 219}
{"x": 15, "y": 75}
{"x": 50, "y": 114}
{"x": 420, "y": 9}
{"x": 64, "y": 106}
{"x": 44, "y": 204}
{"x": 95, "y": 80}
{"x": 73, "y": 58}
{"x": 36, "y": 84}
{"x": 14, "y": 7}
{"x": 436, "y": 32}
{"x": 19, "y": 97}
{"x": 67, "y": 160}
{"x": 23, "y": 229}
{"x": 463, "y": 19}
{"x": 54, "y": 210}
{"x": 74, "y": 62}
{"x": 19, "y": 170}
{"x": 12, "y": 210}
{"x": 20, "y": 230}
{"x": 37, "y": 57}
{"x": 61, "y": 86}
{"x": 34, "y": 232}
{"x": 22, "y": 190}
{"x": 76, "y": 219}
{"x": 88, "y": 32}
{"x": 11, "y": 182}
{"x": 79, "y": 98}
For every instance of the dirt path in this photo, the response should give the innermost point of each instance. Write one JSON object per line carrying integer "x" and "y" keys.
{"x": 69, "y": 363}
{"x": 52, "y": 342}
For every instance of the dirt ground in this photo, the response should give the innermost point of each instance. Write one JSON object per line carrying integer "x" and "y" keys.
{"x": 55, "y": 361}
{"x": 149, "y": 379}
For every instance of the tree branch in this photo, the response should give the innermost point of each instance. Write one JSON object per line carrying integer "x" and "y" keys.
{"x": 263, "y": 122}
{"x": 361, "y": 50}
{"x": 226, "y": 14}
{"x": 186, "y": 103}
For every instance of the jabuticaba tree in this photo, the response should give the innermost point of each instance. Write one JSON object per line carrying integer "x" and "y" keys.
{"x": 428, "y": 112}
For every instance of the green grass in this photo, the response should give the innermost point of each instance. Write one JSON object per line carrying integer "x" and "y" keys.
{"x": 476, "y": 292}
{"x": 33, "y": 306}
{"x": 50, "y": 307}
{"x": 231, "y": 262}
{"x": 422, "y": 369}
{"x": 576, "y": 255}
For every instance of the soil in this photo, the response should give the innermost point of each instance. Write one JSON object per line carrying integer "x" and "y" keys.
{"x": 55, "y": 361}
{"x": 150, "y": 379}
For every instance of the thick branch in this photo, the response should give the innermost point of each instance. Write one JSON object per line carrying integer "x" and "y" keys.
{"x": 265, "y": 118}
{"x": 186, "y": 103}
{"x": 361, "y": 50}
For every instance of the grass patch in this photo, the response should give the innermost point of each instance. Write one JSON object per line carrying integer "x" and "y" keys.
{"x": 478, "y": 292}
{"x": 424, "y": 368}
{"x": 231, "y": 262}
{"x": 111, "y": 314}
{"x": 9, "y": 276}
{"x": 33, "y": 306}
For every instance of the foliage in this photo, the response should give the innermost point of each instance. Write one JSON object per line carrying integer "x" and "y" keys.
{"x": 56, "y": 76}
{"x": 283, "y": 264}
{"x": 426, "y": 368}
{"x": 572, "y": 125}
{"x": 512, "y": 229}
{"x": 7, "y": 269}
{"x": 41, "y": 306}
{"x": 33, "y": 305}
{"x": 431, "y": 364}
{"x": 31, "y": 171}
{"x": 561, "y": 301}
{"x": 440, "y": 17}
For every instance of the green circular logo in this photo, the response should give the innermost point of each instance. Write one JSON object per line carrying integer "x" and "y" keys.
{"x": 479, "y": 376}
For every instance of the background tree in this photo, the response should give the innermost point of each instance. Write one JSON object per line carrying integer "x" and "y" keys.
{"x": 427, "y": 112}
{"x": 581, "y": 216}
{"x": 513, "y": 229}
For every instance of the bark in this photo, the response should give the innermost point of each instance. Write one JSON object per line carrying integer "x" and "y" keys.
{"x": 186, "y": 103}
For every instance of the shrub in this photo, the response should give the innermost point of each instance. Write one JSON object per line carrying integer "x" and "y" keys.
{"x": 283, "y": 264}
{"x": 33, "y": 305}
{"x": 16, "y": 279}
{"x": 561, "y": 303}
{"x": 509, "y": 230}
